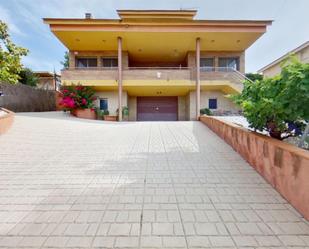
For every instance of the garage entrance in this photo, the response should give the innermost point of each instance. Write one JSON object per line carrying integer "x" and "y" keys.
{"x": 157, "y": 108}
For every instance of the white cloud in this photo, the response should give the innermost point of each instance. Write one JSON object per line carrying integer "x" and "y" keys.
{"x": 6, "y": 17}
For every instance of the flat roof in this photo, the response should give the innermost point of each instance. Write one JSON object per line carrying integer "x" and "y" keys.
{"x": 143, "y": 31}
{"x": 46, "y": 73}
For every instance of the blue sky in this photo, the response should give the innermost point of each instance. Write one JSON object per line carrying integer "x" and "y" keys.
{"x": 24, "y": 17}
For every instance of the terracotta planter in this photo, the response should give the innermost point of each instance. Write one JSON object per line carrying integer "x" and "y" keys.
{"x": 110, "y": 118}
{"x": 6, "y": 120}
{"x": 84, "y": 113}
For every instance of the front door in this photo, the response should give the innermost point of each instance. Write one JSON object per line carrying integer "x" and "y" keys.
{"x": 157, "y": 108}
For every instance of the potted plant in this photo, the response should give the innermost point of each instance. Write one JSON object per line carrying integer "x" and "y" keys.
{"x": 78, "y": 100}
{"x": 205, "y": 111}
{"x": 125, "y": 113}
{"x": 99, "y": 113}
{"x": 108, "y": 117}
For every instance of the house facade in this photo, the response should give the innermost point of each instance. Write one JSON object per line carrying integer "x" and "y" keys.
{"x": 274, "y": 68}
{"x": 48, "y": 80}
{"x": 161, "y": 64}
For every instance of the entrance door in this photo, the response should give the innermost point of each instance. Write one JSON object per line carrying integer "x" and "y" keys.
{"x": 157, "y": 108}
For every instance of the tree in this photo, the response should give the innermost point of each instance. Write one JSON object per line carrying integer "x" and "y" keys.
{"x": 10, "y": 57}
{"x": 278, "y": 105}
{"x": 254, "y": 76}
{"x": 66, "y": 60}
{"x": 27, "y": 77}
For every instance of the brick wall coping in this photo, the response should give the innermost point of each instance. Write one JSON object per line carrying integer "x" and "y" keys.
{"x": 284, "y": 166}
{"x": 6, "y": 120}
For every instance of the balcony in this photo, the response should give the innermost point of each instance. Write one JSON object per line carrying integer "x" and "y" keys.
{"x": 182, "y": 76}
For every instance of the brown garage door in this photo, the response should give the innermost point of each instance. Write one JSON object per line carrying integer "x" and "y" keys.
{"x": 157, "y": 108}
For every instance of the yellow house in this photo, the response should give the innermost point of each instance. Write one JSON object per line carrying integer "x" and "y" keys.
{"x": 161, "y": 64}
{"x": 274, "y": 68}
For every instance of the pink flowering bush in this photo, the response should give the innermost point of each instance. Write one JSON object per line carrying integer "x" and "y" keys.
{"x": 77, "y": 97}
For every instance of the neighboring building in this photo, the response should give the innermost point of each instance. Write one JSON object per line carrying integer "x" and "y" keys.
{"x": 170, "y": 65}
{"x": 48, "y": 80}
{"x": 274, "y": 68}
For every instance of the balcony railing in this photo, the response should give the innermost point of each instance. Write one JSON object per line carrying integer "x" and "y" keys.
{"x": 154, "y": 73}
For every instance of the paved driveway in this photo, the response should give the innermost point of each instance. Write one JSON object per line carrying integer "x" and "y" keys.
{"x": 68, "y": 182}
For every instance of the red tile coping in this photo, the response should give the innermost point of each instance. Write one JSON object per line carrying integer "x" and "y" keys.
{"x": 6, "y": 121}
{"x": 284, "y": 166}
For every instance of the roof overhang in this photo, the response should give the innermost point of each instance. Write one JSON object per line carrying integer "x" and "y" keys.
{"x": 280, "y": 59}
{"x": 144, "y": 37}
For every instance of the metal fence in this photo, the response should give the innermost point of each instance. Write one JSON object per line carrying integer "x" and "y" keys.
{"x": 22, "y": 98}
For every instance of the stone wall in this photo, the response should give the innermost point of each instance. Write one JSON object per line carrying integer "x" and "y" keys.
{"x": 284, "y": 166}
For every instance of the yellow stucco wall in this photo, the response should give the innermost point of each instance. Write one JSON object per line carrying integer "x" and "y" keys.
{"x": 302, "y": 55}
{"x": 112, "y": 98}
{"x": 224, "y": 104}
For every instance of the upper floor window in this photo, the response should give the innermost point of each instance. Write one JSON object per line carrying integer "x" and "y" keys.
{"x": 207, "y": 64}
{"x": 86, "y": 62}
{"x": 229, "y": 63}
{"x": 110, "y": 62}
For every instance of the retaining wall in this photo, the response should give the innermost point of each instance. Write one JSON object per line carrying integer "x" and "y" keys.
{"x": 284, "y": 166}
{"x": 6, "y": 121}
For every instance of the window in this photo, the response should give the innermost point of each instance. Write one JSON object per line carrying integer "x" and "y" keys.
{"x": 212, "y": 103}
{"x": 103, "y": 104}
{"x": 207, "y": 64}
{"x": 226, "y": 64}
{"x": 110, "y": 62}
{"x": 86, "y": 62}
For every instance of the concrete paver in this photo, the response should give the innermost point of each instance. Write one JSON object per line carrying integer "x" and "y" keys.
{"x": 72, "y": 183}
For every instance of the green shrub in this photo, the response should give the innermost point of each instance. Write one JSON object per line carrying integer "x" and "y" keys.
{"x": 125, "y": 111}
{"x": 27, "y": 77}
{"x": 205, "y": 111}
{"x": 254, "y": 76}
{"x": 278, "y": 105}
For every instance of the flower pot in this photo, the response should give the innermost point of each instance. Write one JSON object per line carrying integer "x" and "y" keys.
{"x": 110, "y": 118}
{"x": 84, "y": 113}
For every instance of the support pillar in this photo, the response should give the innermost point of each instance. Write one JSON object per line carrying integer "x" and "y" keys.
{"x": 119, "y": 39}
{"x": 198, "y": 83}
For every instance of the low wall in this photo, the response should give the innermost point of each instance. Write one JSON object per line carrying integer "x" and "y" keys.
{"x": 6, "y": 121}
{"x": 22, "y": 98}
{"x": 284, "y": 166}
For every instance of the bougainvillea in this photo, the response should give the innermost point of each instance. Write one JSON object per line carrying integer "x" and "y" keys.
{"x": 77, "y": 97}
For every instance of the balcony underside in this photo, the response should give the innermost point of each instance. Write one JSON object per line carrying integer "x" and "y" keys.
{"x": 158, "y": 87}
